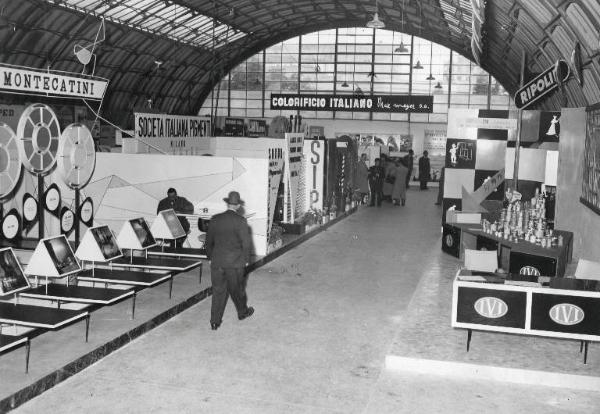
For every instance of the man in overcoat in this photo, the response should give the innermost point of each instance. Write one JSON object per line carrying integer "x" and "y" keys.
{"x": 228, "y": 247}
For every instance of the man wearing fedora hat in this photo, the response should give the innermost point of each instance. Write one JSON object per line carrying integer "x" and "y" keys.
{"x": 228, "y": 247}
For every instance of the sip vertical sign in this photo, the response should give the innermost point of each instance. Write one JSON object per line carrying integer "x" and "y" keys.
{"x": 314, "y": 157}
{"x": 542, "y": 84}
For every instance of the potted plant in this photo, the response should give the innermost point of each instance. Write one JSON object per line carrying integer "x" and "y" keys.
{"x": 275, "y": 238}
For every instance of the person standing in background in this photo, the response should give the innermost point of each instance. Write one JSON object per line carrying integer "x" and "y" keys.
{"x": 228, "y": 247}
{"x": 376, "y": 176}
{"x": 181, "y": 205}
{"x": 361, "y": 179}
{"x": 390, "y": 178}
{"x": 440, "y": 196}
{"x": 409, "y": 163}
{"x": 424, "y": 170}
{"x": 399, "y": 190}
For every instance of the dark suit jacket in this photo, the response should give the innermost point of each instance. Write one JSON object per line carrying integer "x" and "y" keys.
{"x": 228, "y": 242}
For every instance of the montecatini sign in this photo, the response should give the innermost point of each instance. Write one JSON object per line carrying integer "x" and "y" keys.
{"x": 354, "y": 103}
{"x": 31, "y": 81}
{"x": 544, "y": 83}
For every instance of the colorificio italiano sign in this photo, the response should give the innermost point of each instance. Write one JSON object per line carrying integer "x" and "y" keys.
{"x": 355, "y": 103}
{"x": 38, "y": 82}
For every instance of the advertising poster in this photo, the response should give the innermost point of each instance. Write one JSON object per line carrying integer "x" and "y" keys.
{"x": 257, "y": 128}
{"x": 435, "y": 144}
{"x": 294, "y": 149}
{"x": 234, "y": 127}
{"x": 275, "y": 174}
{"x": 315, "y": 131}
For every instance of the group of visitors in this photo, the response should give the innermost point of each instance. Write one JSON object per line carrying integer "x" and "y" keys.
{"x": 388, "y": 179}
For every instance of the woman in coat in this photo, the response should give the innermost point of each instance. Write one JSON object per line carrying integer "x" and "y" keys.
{"x": 361, "y": 178}
{"x": 399, "y": 189}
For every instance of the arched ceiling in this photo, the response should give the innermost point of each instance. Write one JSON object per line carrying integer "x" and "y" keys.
{"x": 174, "y": 51}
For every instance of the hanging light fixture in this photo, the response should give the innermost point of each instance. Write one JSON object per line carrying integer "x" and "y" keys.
{"x": 438, "y": 85}
{"x": 402, "y": 48}
{"x": 418, "y": 64}
{"x": 430, "y": 77}
{"x": 375, "y": 23}
{"x": 345, "y": 83}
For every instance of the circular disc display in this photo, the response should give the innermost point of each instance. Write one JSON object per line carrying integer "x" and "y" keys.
{"x": 38, "y": 133}
{"x": 10, "y": 225}
{"x": 30, "y": 209}
{"x": 52, "y": 199}
{"x": 10, "y": 160}
{"x": 76, "y": 156}
{"x": 87, "y": 210}
{"x": 67, "y": 221}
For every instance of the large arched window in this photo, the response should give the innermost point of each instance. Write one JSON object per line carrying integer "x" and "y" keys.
{"x": 351, "y": 61}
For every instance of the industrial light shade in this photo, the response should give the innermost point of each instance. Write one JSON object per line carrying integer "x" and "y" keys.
{"x": 345, "y": 84}
{"x": 418, "y": 65}
{"x": 438, "y": 86}
{"x": 375, "y": 23}
{"x": 430, "y": 77}
{"x": 401, "y": 49}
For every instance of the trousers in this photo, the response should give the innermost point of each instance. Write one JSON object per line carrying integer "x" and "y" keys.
{"x": 227, "y": 281}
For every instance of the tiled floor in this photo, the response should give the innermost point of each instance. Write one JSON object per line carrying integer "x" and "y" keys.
{"x": 327, "y": 314}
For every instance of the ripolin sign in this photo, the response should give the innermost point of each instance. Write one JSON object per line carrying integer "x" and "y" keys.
{"x": 543, "y": 84}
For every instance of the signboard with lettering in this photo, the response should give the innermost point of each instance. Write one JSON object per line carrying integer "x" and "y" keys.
{"x": 29, "y": 81}
{"x": 542, "y": 84}
{"x": 174, "y": 134}
{"x": 353, "y": 103}
{"x": 314, "y": 158}
{"x": 234, "y": 127}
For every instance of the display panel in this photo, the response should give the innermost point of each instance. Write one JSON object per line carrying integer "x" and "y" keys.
{"x": 140, "y": 227}
{"x": 12, "y": 278}
{"x": 106, "y": 241}
{"x": 62, "y": 256}
{"x": 173, "y": 223}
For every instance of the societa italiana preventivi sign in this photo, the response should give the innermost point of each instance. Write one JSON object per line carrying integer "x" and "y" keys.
{"x": 354, "y": 103}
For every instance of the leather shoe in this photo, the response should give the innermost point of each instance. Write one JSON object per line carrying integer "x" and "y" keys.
{"x": 214, "y": 326}
{"x": 247, "y": 314}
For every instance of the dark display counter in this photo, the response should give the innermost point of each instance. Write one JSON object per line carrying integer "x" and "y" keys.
{"x": 530, "y": 305}
{"x": 514, "y": 256}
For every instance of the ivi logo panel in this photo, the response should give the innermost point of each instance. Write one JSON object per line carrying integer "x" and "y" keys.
{"x": 566, "y": 314}
{"x": 491, "y": 307}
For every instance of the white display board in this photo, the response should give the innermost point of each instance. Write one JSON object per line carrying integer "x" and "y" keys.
{"x": 53, "y": 257}
{"x": 135, "y": 235}
{"x": 167, "y": 226}
{"x": 98, "y": 244}
{"x": 131, "y": 185}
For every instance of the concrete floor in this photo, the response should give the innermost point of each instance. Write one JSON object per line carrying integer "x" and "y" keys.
{"x": 327, "y": 314}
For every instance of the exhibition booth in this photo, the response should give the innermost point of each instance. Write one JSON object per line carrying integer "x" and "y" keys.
{"x": 519, "y": 189}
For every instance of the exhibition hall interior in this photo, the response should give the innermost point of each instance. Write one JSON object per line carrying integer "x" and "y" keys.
{"x": 419, "y": 179}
